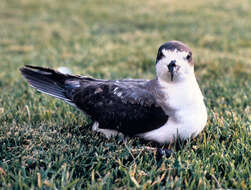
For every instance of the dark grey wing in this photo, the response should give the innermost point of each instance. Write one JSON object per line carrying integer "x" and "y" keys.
{"x": 125, "y": 106}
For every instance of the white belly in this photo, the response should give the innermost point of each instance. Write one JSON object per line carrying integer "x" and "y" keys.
{"x": 183, "y": 124}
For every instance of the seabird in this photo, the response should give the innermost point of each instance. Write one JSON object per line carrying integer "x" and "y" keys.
{"x": 164, "y": 109}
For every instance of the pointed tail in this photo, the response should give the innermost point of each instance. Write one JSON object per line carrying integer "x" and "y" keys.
{"x": 48, "y": 81}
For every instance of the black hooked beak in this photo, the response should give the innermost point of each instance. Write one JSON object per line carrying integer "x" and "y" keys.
{"x": 171, "y": 67}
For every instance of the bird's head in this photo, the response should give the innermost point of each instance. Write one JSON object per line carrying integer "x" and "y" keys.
{"x": 174, "y": 62}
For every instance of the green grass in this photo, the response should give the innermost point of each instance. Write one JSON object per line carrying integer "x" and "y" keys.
{"x": 44, "y": 143}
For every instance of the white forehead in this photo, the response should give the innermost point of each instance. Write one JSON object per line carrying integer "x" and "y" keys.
{"x": 174, "y": 54}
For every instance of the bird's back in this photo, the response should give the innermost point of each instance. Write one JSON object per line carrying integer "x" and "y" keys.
{"x": 124, "y": 105}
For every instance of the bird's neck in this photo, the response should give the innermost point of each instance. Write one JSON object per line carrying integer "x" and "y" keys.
{"x": 180, "y": 94}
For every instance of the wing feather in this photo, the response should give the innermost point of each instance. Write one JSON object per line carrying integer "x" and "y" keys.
{"x": 124, "y": 106}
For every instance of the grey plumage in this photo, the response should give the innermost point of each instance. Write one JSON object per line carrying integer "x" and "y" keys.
{"x": 161, "y": 110}
{"x": 124, "y": 105}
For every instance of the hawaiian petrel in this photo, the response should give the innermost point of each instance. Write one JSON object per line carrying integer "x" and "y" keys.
{"x": 163, "y": 109}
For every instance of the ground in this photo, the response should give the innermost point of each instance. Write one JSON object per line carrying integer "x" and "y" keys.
{"x": 45, "y": 143}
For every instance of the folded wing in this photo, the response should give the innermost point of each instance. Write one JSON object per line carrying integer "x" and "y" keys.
{"x": 123, "y": 105}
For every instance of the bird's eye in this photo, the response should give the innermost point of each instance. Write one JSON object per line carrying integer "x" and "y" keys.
{"x": 160, "y": 54}
{"x": 189, "y": 56}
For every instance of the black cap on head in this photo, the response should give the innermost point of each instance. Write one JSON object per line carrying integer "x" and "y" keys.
{"x": 171, "y": 46}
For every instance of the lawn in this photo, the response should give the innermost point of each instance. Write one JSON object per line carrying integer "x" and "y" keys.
{"x": 46, "y": 144}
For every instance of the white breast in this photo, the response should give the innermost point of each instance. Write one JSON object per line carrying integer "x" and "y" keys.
{"x": 184, "y": 105}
